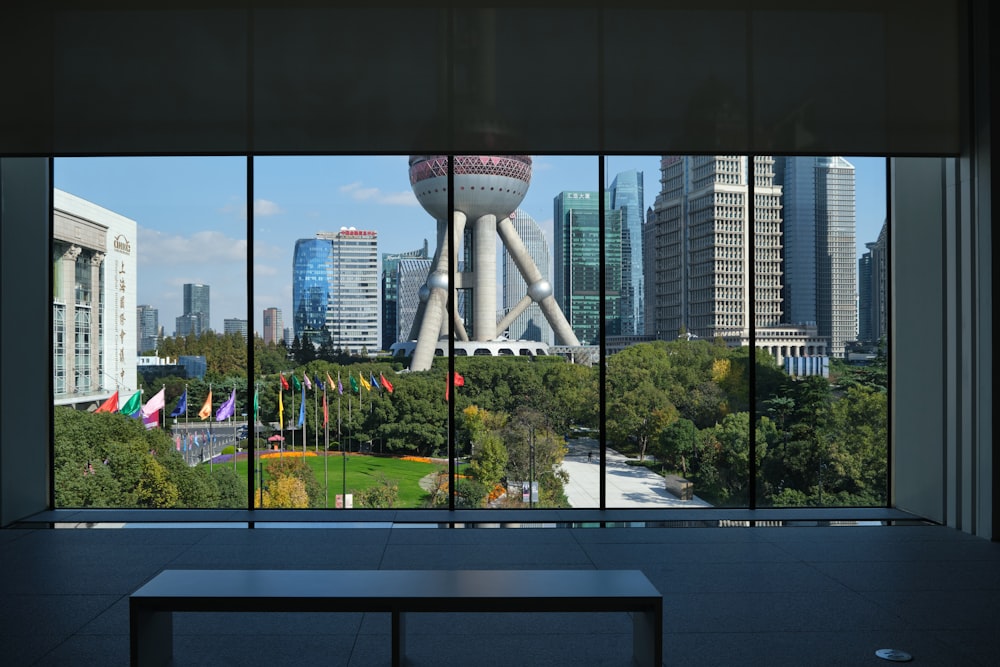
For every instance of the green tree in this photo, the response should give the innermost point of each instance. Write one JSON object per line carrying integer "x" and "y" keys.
{"x": 384, "y": 493}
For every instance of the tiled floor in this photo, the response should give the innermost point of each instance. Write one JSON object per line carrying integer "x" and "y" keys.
{"x": 802, "y": 596}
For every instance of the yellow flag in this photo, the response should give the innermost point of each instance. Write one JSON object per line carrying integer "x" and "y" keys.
{"x": 364, "y": 383}
{"x": 281, "y": 411}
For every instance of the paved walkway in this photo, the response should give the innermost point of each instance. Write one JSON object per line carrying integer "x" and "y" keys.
{"x": 627, "y": 486}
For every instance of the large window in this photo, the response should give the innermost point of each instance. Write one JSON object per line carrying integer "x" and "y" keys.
{"x": 500, "y": 331}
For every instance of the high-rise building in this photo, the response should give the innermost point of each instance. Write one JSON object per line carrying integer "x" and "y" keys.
{"x": 196, "y": 317}
{"x": 873, "y": 291}
{"x": 94, "y": 324}
{"x": 235, "y": 325}
{"x": 335, "y": 289}
{"x": 627, "y": 196}
{"x": 820, "y": 256}
{"x": 148, "y": 320}
{"x": 577, "y": 264}
{"x": 411, "y": 275}
{"x": 700, "y": 219}
{"x": 390, "y": 270}
{"x": 529, "y": 324}
{"x": 272, "y": 325}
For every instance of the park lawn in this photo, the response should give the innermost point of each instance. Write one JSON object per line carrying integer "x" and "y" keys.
{"x": 363, "y": 472}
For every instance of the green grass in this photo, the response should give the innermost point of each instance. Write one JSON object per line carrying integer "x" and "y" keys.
{"x": 361, "y": 473}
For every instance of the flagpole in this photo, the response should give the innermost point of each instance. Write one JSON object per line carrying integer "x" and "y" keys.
{"x": 316, "y": 421}
{"x": 326, "y": 449}
{"x": 210, "y": 462}
{"x": 292, "y": 392}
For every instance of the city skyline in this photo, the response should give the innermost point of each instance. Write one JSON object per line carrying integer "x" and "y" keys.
{"x": 191, "y": 213}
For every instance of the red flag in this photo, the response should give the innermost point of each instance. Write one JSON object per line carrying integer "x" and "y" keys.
{"x": 110, "y": 405}
{"x": 459, "y": 382}
{"x": 385, "y": 383}
{"x": 284, "y": 382}
{"x": 326, "y": 416}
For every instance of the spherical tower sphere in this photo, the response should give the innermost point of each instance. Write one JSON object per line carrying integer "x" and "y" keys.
{"x": 484, "y": 184}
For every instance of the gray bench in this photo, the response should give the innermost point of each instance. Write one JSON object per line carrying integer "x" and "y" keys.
{"x": 394, "y": 591}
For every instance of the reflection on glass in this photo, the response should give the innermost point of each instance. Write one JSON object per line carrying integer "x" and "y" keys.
{"x": 145, "y": 414}
{"x": 822, "y": 387}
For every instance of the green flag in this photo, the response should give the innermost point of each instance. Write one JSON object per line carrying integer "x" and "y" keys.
{"x": 133, "y": 404}
{"x": 295, "y": 382}
{"x": 354, "y": 384}
{"x": 256, "y": 405}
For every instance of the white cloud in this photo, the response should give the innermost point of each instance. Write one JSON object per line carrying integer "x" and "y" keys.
{"x": 206, "y": 247}
{"x": 264, "y": 207}
{"x": 359, "y": 192}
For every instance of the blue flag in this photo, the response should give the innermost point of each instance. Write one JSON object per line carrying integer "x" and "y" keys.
{"x": 302, "y": 409}
{"x": 374, "y": 382}
{"x": 182, "y": 405}
{"x": 318, "y": 383}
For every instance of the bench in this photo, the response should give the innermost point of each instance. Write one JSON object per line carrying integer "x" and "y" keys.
{"x": 395, "y": 591}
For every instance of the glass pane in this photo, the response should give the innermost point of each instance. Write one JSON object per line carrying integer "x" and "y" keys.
{"x": 679, "y": 405}
{"x": 822, "y": 382}
{"x": 340, "y": 252}
{"x": 149, "y": 332}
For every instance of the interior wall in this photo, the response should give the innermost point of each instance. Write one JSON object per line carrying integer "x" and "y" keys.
{"x": 25, "y": 350}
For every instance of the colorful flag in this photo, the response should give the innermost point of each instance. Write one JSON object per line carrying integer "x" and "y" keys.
{"x": 156, "y": 403}
{"x": 364, "y": 382}
{"x": 318, "y": 383}
{"x": 284, "y": 382}
{"x": 151, "y": 421}
{"x": 182, "y": 405}
{"x": 134, "y": 404}
{"x": 110, "y": 405}
{"x": 326, "y": 415}
{"x": 227, "y": 409}
{"x": 385, "y": 383}
{"x": 374, "y": 382}
{"x": 206, "y": 408}
{"x": 459, "y": 382}
{"x": 256, "y": 407}
{"x": 354, "y": 384}
{"x": 295, "y": 382}
{"x": 281, "y": 411}
{"x": 340, "y": 385}
{"x": 306, "y": 382}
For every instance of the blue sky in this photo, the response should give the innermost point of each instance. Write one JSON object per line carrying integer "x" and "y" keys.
{"x": 191, "y": 214}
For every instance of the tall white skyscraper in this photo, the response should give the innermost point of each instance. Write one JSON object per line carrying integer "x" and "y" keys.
{"x": 530, "y": 324}
{"x": 820, "y": 256}
{"x": 700, "y": 276}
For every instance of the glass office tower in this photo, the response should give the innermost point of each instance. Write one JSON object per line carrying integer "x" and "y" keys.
{"x": 627, "y": 196}
{"x": 576, "y": 227}
{"x": 820, "y": 257}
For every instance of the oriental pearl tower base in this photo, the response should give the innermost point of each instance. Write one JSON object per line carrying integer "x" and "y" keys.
{"x": 488, "y": 188}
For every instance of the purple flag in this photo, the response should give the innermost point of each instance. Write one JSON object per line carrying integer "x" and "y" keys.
{"x": 227, "y": 409}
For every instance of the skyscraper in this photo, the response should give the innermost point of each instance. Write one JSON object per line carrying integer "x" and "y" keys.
{"x": 577, "y": 264}
{"x": 530, "y": 324}
{"x": 411, "y": 275}
{"x": 390, "y": 266}
{"x": 820, "y": 257}
{"x": 702, "y": 250}
{"x": 872, "y": 294}
{"x": 335, "y": 289}
{"x": 272, "y": 325}
{"x": 235, "y": 325}
{"x": 148, "y": 319}
{"x": 627, "y": 196}
{"x": 196, "y": 317}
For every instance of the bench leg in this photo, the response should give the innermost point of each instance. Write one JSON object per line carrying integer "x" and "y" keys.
{"x": 151, "y": 637}
{"x": 398, "y": 638}
{"x": 647, "y": 637}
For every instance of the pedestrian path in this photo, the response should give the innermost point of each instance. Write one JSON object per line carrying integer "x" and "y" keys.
{"x": 626, "y": 485}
